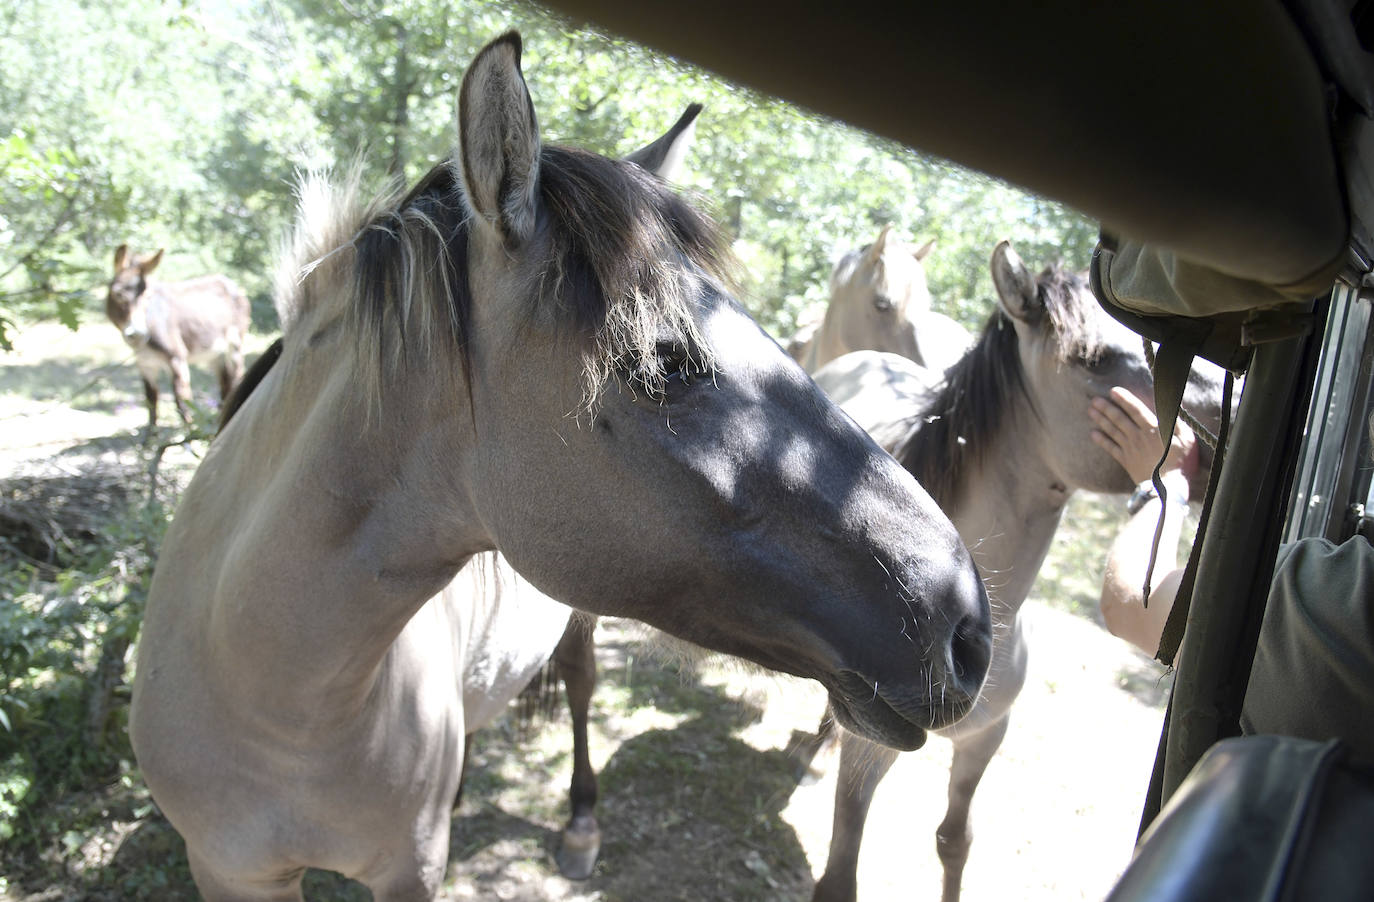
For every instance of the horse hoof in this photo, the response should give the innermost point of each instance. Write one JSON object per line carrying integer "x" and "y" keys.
{"x": 577, "y": 854}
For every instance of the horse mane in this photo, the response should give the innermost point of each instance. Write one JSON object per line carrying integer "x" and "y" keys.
{"x": 950, "y": 436}
{"x": 624, "y": 264}
{"x": 256, "y": 373}
{"x": 847, "y": 265}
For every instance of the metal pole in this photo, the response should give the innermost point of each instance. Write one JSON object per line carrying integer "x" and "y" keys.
{"x": 1237, "y": 560}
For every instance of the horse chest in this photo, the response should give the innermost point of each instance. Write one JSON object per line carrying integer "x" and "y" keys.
{"x": 508, "y": 630}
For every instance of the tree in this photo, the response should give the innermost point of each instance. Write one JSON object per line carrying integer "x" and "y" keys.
{"x": 190, "y": 119}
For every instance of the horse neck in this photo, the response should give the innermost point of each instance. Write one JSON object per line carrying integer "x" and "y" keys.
{"x": 1008, "y": 508}
{"x": 347, "y": 518}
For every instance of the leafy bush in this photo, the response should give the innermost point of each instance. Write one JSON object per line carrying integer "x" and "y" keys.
{"x": 67, "y": 626}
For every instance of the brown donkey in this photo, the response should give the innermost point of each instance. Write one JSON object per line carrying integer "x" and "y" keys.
{"x": 170, "y": 324}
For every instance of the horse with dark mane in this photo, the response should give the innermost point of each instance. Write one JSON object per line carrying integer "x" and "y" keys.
{"x": 533, "y": 352}
{"x": 1001, "y": 442}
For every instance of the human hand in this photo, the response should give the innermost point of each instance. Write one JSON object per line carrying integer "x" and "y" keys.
{"x": 1127, "y": 429}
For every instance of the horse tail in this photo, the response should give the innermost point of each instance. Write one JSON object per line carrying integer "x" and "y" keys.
{"x": 537, "y": 703}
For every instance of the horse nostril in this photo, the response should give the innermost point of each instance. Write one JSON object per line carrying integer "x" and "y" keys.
{"x": 970, "y": 653}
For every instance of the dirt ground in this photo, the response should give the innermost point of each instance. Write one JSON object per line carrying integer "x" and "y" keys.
{"x": 698, "y": 796}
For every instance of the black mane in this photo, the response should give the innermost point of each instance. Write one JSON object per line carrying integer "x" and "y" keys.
{"x": 949, "y": 437}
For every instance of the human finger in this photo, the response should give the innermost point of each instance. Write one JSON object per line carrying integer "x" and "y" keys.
{"x": 1118, "y": 453}
{"x": 1110, "y": 421}
{"x": 1134, "y": 406}
{"x": 1121, "y": 417}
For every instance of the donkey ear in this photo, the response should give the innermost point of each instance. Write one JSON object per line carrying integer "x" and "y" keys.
{"x": 1015, "y": 286}
{"x": 924, "y": 250}
{"x": 148, "y": 264}
{"x": 664, "y": 157}
{"x": 121, "y": 257}
{"x": 499, "y": 140}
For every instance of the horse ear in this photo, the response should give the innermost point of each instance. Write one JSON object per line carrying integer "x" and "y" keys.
{"x": 148, "y": 264}
{"x": 878, "y": 246}
{"x": 498, "y": 138}
{"x": 121, "y": 257}
{"x": 664, "y": 156}
{"x": 1015, "y": 286}
{"x": 924, "y": 250}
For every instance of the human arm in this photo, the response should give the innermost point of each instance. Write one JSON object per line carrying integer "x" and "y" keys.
{"x": 1127, "y": 429}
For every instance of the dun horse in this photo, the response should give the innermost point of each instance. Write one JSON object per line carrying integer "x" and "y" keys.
{"x": 532, "y": 352}
{"x": 1002, "y": 444}
{"x": 173, "y": 324}
{"x": 879, "y": 302}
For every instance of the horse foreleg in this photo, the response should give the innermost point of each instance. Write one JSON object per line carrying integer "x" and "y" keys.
{"x": 863, "y": 765}
{"x": 581, "y": 841}
{"x": 230, "y": 373}
{"x": 216, "y": 886}
{"x": 954, "y": 836}
{"x": 805, "y": 753}
{"x": 463, "y": 772}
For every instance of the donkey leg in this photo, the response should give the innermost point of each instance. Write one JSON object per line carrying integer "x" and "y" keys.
{"x": 863, "y": 765}
{"x": 181, "y": 387}
{"x": 580, "y": 843}
{"x": 954, "y": 836}
{"x": 150, "y": 396}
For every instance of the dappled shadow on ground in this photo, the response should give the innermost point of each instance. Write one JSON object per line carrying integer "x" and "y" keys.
{"x": 693, "y": 813}
{"x": 92, "y": 383}
{"x": 74, "y": 382}
{"x": 687, "y": 812}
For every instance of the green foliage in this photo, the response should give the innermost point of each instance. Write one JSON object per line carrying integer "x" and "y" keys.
{"x": 46, "y": 193}
{"x": 65, "y": 630}
{"x": 189, "y": 120}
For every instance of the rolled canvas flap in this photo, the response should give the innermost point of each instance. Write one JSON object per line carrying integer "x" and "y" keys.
{"x": 1199, "y": 126}
{"x": 1156, "y": 281}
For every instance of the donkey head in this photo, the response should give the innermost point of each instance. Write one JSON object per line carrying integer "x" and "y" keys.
{"x": 124, "y": 302}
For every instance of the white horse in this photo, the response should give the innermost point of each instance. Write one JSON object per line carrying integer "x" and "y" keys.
{"x": 534, "y": 352}
{"x": 879, "y": 302}
{"x": 1001, "y": 442}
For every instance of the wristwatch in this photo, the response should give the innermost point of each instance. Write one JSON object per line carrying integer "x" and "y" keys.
{"x": 1145, "y": 493}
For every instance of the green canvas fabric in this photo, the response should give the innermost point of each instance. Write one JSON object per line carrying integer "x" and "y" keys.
{"x": 1155, "y": 281}
{"x": 1313, "y": 675}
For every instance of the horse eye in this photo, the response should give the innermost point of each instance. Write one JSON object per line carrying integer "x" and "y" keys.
{"x": 1103, "y": 361}
{"x": 673, "y": 357}
{"x": 672, "y": 367}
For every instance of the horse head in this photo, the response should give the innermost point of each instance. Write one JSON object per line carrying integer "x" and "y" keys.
{"x": 651, "y": 452}
{"x": 1072, "y": 351}
{"x": 877, "y": 296}
{"x": 620, "y": 428}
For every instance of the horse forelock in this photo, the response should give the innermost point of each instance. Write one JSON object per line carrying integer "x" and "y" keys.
{"x": 1071, "y": 314}
{"x": 845, "y": 268}
{"x": 627, "y": 262}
